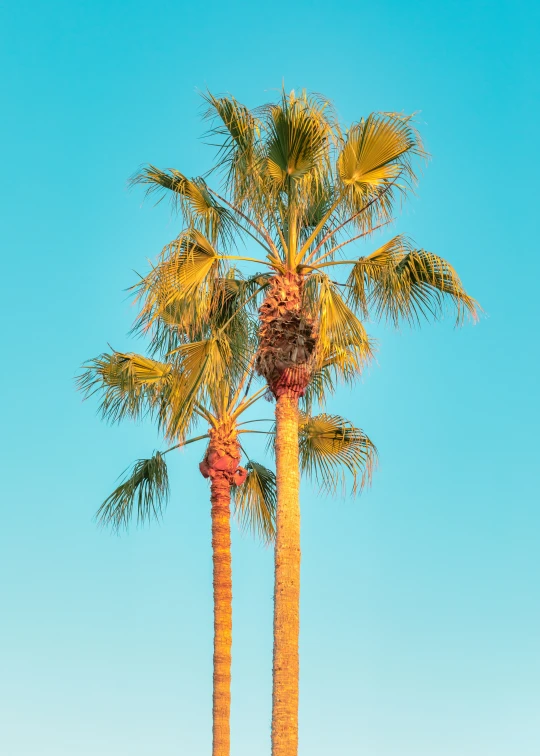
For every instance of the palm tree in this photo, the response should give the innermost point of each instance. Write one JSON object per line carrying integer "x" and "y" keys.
{"x": 301, "y": 188}
{"x": 130, "y": 384}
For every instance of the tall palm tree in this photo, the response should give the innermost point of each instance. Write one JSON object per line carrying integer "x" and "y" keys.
{"x": 130, "y": 384}
{"x": 301, "y": 188}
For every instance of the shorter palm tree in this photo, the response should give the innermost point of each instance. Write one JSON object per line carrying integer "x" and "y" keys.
{"x": 131, "y": 384}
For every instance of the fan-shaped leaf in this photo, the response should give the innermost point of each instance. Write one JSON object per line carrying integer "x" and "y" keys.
{"x": 298, "y": 136}
{"x": 377, "y": 158}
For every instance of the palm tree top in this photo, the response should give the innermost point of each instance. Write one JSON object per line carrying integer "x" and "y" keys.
{"x": 297, "y": 188}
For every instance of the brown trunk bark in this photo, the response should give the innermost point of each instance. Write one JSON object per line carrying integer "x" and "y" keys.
{"x": 287, "y": 582}
{"x": 221, "y": 556}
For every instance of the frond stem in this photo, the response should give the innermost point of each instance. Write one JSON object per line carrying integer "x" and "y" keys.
{"x": 266, "y": 433}
{"x": 243, "y": 406}
{"x": 348, "y": 241}
{"x": 332, "y": 233}
{"x": 247, "y": 372}
{"x": 235, "y": 313}
{"x": 318, "y": 228}
{"x": 259, "y": 420}
{"x": 247, "y": 259}
{"x": 184, "y": 443}
{"x": 262, "y": 231}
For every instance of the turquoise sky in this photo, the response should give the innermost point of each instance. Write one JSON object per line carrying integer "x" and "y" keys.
{"x": 420, "y": 611}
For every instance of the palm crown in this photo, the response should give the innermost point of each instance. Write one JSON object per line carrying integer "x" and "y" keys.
{"x": 303, "y": 189}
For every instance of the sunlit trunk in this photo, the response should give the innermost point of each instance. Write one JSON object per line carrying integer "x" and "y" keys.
{"x": 221, "y": 556}
{"x": 287, "y": 582}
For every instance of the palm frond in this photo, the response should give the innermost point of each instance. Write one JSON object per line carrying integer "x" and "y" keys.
{"x": 142, "y": 495}
{"x": 203, "y": 367}
{"x": 377, "y": 159}
{"x": 298, "y": 137}
{"x": 192, "y": 197}
{"x": 229, "y": 302}
{"x": 338, "y": 326}
{"x": 130, "y": 385}
{"x": 238, "y": 130}
{"x": 333, "y": 365}
{"x": 398, "y": 282}
{"x": 330, "y": 447}
{"x": 255, "y": 501}
{"x": 186, "y": 267}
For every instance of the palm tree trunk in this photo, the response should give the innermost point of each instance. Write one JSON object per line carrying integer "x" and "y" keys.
{"x": 221, "y": 555}
{"x": 287, "y": 582}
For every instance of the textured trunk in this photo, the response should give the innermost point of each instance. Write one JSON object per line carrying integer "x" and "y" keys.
{"x": 221, "y": 555}
{"x": 287, "y": 582}
{"x": 287, "y": 337}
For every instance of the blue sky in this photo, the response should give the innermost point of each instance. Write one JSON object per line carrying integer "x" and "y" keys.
{"x": 420, "y": 613}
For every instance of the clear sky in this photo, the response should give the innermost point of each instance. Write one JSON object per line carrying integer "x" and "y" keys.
{"x": 420, "y": 609}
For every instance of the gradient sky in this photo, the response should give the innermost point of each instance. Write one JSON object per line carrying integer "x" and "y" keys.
{"x": 420, "y": 610}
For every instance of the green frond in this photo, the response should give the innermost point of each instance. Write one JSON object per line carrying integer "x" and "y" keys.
{"x": 333, "y": 365}
{"x": 322, "y": 384}
{"x": 298, "y": 136}
{"x": 130, "y": 385}
{"x": 374, "y": 267}
{"x": 330, "y": 447}
{"x": 238, "y": 131}
{"x": 255, "y": 501}
{"x": 398, "y": 282}
{"x": 192, "y": 197}
{"x": 143, "y": 495}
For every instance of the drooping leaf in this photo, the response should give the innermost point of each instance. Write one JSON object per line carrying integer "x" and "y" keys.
{"x": 333, "y": 366}
{"x": 398, "y": 282}
{"x": 255, "y": 501}
{"x": 330, "y": 447}
{"x": 193, "y": 198}
{"x": 142, "y": 495}
{"x": 338, "y": 327}
{"x": 238, "y": 130}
